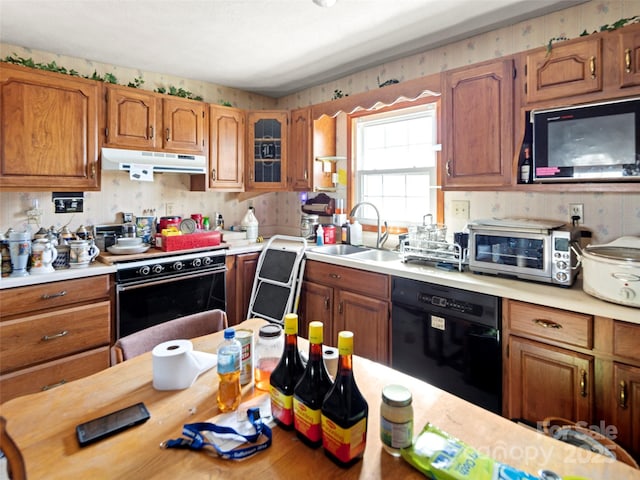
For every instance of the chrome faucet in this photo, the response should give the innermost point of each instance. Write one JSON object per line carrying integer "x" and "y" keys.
{"x": 380, "y": 241}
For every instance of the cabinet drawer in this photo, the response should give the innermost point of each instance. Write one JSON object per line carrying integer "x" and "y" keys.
{"x": 626, "y": 339}
{"x": 354, "y": 280}
{"x": 45, "y": 336}
{"x": 51, "y": 295}
{"x": 54, "y": 373}
{"x": 551, "y": 323}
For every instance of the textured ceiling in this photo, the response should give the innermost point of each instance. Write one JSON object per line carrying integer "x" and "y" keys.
{"x": 271, "y": 47}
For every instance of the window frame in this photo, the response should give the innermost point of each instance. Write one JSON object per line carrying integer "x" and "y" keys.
{"x": 351, "y": 157}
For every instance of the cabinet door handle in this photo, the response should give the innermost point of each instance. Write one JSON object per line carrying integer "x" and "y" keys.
{"x": 622, "y": 397}
{"x": 213, "y": 174}
{"x": 151, "y": 131}
{"x": 335, "y": 275}
{"x": 93, "y": 170}
{"x": 168, "y": 138}
{"x": 340, "y": 307}
{"x": 54, "y": 385}
{"x": 55, "y": 335}
{"x": 592, "y": 67}
{"x": 627, "y": 60}
{"x": 583, "y": 383}
{"x": 326, "y": 303}
{"x": 547, "y": 323}
{"x": 306, "y": 174}
{"x": 448, "y": 168}
{"x": 48, "y": 296}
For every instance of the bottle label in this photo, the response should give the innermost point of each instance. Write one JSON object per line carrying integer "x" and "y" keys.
{"x": 228, "y": 362}
{"x": 307, "y": 421}
{"x": 281, "y": 406}
{"x": 396, "y": 435}
{"x": 344, "y": 443}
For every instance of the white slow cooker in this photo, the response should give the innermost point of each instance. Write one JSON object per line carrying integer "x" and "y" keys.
{"x": 611, "y": 271}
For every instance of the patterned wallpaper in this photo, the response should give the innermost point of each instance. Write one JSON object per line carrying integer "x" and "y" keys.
{"x": 608, "y": 215}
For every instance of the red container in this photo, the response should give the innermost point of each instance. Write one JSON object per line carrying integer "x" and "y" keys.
{"x": 329, "y": 234}
{"x": 198, "y": 219}
{"x": 188, "y": 241}
{"x": 166, "y": 222}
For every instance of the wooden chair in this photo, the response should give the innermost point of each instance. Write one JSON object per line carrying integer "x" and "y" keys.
{"x": 15, "y": 462}
{"x": 187, "y": 327}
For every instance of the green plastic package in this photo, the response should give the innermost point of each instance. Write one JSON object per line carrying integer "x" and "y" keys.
{"x": 442, "y": 457}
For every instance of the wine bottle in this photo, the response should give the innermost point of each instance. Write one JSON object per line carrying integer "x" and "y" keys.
{"x": 286, "y": 375}
{"x": 310, "y": 391}
{"x": 526, "y": 166}
{"x": 345, "y": 411}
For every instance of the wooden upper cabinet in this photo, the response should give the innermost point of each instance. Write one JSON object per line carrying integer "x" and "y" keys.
{"x": 477, "y": 120}
{"x": 227, "y": 130}
{"x": 148, "y": 120}
{"x": 629, "y": 56}
{"x": 571, "y": 68}
{"x": 267, "y": 150}
{"x": 301, "y": 150}
{"x": 183, "y": 125}
{"x": 131, "y": 118}
{"x": 48, "y": 131}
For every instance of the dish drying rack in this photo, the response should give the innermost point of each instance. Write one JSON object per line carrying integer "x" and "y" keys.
{"x": 427, "y": 243}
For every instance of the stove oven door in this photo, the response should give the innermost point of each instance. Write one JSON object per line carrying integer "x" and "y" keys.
{"x": 144, "y": 304}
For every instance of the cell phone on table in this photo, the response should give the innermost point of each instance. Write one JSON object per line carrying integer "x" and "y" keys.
{"x": 112, "y": 423}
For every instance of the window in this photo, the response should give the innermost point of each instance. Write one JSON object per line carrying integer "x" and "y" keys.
{"x": 395, "y": 164}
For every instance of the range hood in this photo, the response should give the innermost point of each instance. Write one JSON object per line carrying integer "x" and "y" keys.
{"x": 160, "y": 162}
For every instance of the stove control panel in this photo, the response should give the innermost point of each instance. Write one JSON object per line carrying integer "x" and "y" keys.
{"x": 183, "y": 264}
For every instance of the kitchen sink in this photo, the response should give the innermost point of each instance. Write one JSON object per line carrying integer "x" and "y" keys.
{"x": 358, "y": 253}
{"x": 339, "y": 249}
{"x": 376, "y": 255}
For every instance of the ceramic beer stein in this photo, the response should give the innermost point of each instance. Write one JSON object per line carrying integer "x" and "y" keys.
{"x": 20, "y": 250}
{"x": 82, "y": 253}
{"x": 43, "y": 253}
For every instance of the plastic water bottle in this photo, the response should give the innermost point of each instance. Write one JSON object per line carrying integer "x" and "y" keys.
{"x": 320, "y": 235}
{"x": 250, "y": 224}
{"x": 356, "y": 233}
{"x": 229, "y": 363}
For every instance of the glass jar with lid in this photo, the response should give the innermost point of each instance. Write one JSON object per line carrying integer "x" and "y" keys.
{"x": 269, "y": 349}
{"x": 396, "y": 419}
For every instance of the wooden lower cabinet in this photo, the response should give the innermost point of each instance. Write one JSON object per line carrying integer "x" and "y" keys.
{"x": 579, "y": 367}
{"x": 348, "y": 299}
{"x": 53, "y": 333}
{"x": 241, "y": 270}
{"x": 547, "y": 381}
{"x": 52, "y": 374}
{"x": 625, "y": 416}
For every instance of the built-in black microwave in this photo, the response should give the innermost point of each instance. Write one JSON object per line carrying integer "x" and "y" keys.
{"x": 584, "y": 143}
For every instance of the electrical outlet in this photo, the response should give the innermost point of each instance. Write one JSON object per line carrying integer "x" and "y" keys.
{"x": 460, "y": 209}
{"x": 576, "y": 210}
{"x": 169, "y": 208}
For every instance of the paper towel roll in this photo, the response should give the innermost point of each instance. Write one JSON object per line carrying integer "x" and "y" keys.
{"x": 176, "y": 365}
{"x": 330, "y": 356}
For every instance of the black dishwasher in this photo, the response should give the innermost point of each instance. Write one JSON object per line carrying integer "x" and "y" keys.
{"x": 449, "y": 338}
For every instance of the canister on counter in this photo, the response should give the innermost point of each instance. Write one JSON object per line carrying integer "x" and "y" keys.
{"x": 329, "y": 234}
{"x": 245, "y": 337}
{"x": 396, "y": 419}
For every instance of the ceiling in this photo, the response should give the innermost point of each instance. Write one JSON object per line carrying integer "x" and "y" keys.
{"x": 270, "y": 47}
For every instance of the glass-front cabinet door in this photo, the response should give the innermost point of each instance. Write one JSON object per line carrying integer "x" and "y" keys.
{"x": 267, "y": 152}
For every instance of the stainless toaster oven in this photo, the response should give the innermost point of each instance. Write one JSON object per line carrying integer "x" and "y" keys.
{"x": 537, "y": 250}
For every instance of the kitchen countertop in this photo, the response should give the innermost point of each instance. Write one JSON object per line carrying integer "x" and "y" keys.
{"x": 574, "y": 298}
{"x": 95, "y": 268}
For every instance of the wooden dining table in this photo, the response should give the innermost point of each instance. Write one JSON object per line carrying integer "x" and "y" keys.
{"x": 43, "y": 427}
